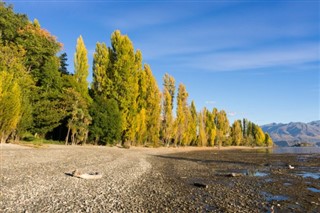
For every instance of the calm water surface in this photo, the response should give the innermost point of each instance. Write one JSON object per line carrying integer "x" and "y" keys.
{"x": 296, "y": 150}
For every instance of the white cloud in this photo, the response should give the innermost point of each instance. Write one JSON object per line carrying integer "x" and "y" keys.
{"x": 252, "y": 59}
{"x": 210, "y": 102}
{"x": 231, "y": 114}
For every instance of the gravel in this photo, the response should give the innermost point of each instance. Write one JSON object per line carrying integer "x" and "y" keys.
{"x": 153, "y": 180}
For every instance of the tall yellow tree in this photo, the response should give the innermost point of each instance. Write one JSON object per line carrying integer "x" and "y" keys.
{"x": 169, "y": 84}
{"x": 182, "y": 116}
{"x": 81, "y": 68}
{"x": 193, "y": 124}
{"x": 124, "y": 79}
{"x": 10, "y": 105}
{"x": 153, "y": 107}
{"x": 167, "y": 117}
{"x": 202, "y": 139}
{"x": 102, "y": 83}
{"x": 268, "y": 140}
{"x": 236, "y": 133}
{"x": 223, "y": 128}
{"x": 79, "y": 118}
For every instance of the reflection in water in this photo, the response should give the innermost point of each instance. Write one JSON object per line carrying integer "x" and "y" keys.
{"x": 295, "y": 150}
{"x": 314, "y": 189}
{"x": 255, "y": 173}
{"x": 269, "y": 197}
{"x": 314, "y": 175}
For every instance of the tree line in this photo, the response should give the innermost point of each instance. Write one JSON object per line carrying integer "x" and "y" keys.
{"x": 39, "y": 96}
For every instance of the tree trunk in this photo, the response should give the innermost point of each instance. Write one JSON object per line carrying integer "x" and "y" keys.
{"x": 67, "y": 138}
{"x": 86, "y": 137}
{"x": 4, "y": 138}
{"x": 72, "y": 137}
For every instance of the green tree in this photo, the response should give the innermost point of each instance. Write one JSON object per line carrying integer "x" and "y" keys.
{"x": 10, "y": 23}
{"x": 63, "y": 64}
{"x": 79, "y": 118}
{"x": 40, "y": 47}
{"x": 106, "y": 121}
{"x": 49, "y": 102}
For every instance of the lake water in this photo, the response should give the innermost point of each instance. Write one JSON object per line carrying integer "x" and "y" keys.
{"x": 296, "y": 150}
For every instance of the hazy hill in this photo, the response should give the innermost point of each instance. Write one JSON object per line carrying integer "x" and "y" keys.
{"x": 294, "y": 133}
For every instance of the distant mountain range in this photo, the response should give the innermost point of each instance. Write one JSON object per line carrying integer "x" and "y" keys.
{"x": 294, "y": 133}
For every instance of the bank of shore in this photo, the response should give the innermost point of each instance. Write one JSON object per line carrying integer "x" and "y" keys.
{"x": 157, "y": 180}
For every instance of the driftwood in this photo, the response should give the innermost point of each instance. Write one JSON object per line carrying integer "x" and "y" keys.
{"x": 91, "y": 175}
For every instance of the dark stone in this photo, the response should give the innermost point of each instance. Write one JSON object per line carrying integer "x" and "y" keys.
{"x": 201, "y": 185}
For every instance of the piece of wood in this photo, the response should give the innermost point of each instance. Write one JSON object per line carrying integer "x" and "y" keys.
{"x": 92, "y": 175}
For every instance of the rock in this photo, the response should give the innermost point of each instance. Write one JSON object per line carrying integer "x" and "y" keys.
{"x": 201, "y": 185}
{"x": 233, "y": 174}
{"x": 126, "y": 145}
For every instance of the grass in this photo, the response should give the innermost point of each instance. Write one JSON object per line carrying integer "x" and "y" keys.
{"x": 32, "y": 141}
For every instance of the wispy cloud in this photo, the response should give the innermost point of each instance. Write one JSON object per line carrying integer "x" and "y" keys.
{"x": 252, "y": 59}
{"x": 231, "y": 114}
{"x": 210, "y": 102}
{"x": 226, "y": 42}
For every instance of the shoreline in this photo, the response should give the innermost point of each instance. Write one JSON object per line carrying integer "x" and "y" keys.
{"x": 143, "y": 179}
{"x": 185, "y": 148}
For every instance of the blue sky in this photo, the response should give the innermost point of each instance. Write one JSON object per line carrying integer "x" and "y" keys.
{"x": 254, "y": 59}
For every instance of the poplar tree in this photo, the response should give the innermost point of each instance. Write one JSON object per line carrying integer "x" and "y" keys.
{"x": 268, "y": 140}
{"x": 153, "y": 107}
{"x": 12, "y": 62}
{"x": 167, "y": 117}
{"x": 182, "y": 116}
{"x": 10, "y": 105}
{"x": 210, "y": 127}
{"x": 141, "y": 128}
{"x": 102, "y": 81}
{"x": 169, "y": 84}
{"x": 80, "y": 118}
{"x": 81, "y": 68}
{"x": 124, "y": 79}
{"x": 202, "y": 139}
{"x": 259, "y": 135}
{"x": 193, "y": 124}
{"x": 222, "y": 128}
{"x": 236, "y": 133}
{"x": 134, "y": 108}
